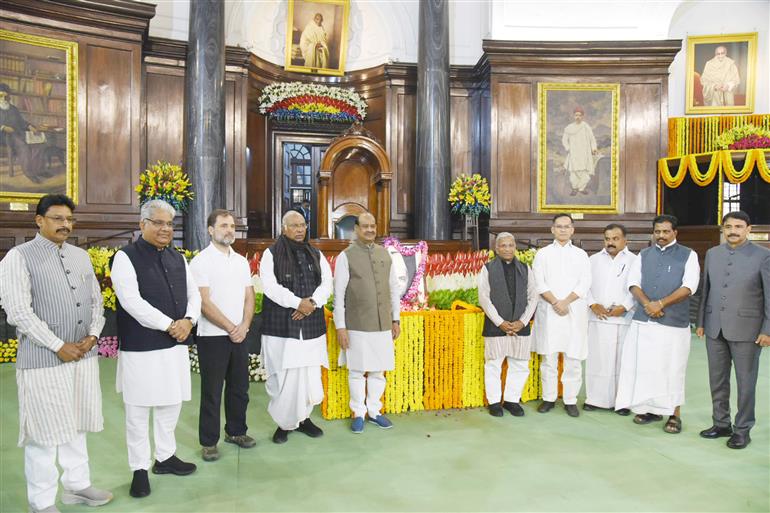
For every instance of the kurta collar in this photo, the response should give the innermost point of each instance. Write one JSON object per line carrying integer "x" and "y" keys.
{"x": 664, "y": 248}
{"x": 743, "y": 247}
{"x": 556, "y": 243}
{"x": 623, "y": 251}
{"x": 39, "y": 239}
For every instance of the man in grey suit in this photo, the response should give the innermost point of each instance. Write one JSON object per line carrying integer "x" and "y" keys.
{"x": 734, "y": 315}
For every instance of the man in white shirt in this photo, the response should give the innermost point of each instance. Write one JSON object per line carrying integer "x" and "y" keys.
{"x": 507, "y": 296}
{"x": 656, "y": 349}
{"x": 367, "y": 312}
{"x": 563, "y": 278}
{"x": 611, "y": 304}
{"x": 158, "y": 305}
{"x": 227, "y": 304}
{"x": 297, "y": 282}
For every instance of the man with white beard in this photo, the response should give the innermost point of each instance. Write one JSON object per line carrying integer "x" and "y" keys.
{"x": 227, "y": 306}
{"x": 611, "y": 304}
{"x": 563, "y": 278}
{"x": 720, "y": 79}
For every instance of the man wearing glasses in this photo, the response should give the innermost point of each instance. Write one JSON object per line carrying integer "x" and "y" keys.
{"x": 297, "y": 282}
{"x": 49, "y": 292}
{"x": 158, "y": 305}
{"x": 563, "y": 278}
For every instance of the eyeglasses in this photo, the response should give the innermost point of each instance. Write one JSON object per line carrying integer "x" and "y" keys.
{"x": 62, "y": 219}
{"x": 160, "y": 224}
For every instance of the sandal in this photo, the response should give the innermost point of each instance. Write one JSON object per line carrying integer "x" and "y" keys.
{"x": 646, "y": 418}
{"x": 673, "y": 425}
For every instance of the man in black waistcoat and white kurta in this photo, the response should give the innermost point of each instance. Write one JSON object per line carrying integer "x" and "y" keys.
{"x": 158, "y": 305}
{"x": 508, "y": 296}
{"x": 297, "y": 282}
{"x": 367, "y": 312}
{"x": 657, "y": 346}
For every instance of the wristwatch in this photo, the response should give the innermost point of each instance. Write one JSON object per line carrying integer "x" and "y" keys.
{"x": 312, "y": 302}
{"x": 190, "y": 319}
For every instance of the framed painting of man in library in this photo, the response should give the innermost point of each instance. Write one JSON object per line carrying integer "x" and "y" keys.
{"x": 578, "y": 147}
{"x": 38, "y": 117}
{"x": 721, "y": 74}
{"x": 317, "y": 36}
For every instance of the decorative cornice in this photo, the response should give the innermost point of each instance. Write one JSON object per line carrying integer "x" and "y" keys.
{"x": 114, "y": 15}
{"x": 162, "y": 48}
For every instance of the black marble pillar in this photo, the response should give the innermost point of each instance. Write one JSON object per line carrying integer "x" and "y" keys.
{"x": 434, "y": 159}
{"x": 205, "y": 117}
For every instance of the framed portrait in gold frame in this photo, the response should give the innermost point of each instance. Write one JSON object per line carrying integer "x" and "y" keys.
{"x": 721, "y": 74}
{"x": 317, "y": 36}
{"x": 38, "y": 117}
{"x": 577, "y": 147}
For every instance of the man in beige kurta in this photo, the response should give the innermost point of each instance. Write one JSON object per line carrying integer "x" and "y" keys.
{"x": 366, "y": 315}
{"x": 720, "y": 79}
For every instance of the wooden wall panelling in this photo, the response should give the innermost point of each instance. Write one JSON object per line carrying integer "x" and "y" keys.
{"x": 258, "y": 182}
{"x": 164, "y": 113}
{"x": 642, "y": 145}
{"x": 511, "y": 136}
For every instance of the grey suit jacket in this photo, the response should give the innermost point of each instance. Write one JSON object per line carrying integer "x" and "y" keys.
{"x": 736, "y": 292}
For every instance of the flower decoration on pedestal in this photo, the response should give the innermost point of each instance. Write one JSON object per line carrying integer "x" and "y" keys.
{"x": 101, "y": 258}
{"x": 8, "y": 350}
{"x": 167, "y": 182}
{"x": 744, "y": 137}
{"x": 298, "y": 101}
{"x": 469, "y": 195}
{"x": 414, "y": 297}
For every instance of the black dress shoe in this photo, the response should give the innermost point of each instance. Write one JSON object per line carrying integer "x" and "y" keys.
{"x": 140, "y": 485}
{"x": 738, "y": 441}
{"x": 496, "y": 410}
{"x": 310, "y": 429}
{"x": 572, "y": 410}
{"x": 514, "y": 409}
{"x": 716, "y": 432}
{"x": 546, "y": 406}
{"x": 280, "y": 436}
{"x": 624, "y": 412}
{"x": 590, "y": 407}
{"x": 173, "y": 465}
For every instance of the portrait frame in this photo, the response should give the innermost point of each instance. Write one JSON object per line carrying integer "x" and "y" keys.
{"x": 300, "y": 19}
{"x": 591, "y": 191}
{"x": 742, "y": 50}
{"x": 42, "y": 74}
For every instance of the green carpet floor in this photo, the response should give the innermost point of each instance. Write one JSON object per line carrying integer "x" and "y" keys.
{"x": 455, "y": 460}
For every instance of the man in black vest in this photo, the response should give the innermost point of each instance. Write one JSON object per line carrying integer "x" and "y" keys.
{"x": 158, "y": 305}
{"x": 297, "y": 282}
{"x": 508, "y": 296}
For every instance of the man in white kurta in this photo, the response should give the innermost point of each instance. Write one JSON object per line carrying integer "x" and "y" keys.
{"x": 579, "y": 142}
{"x": 314, "y": 44}
{"x": 720, "y": 79}
{"x": 293, "y": 363}
{"x": 563, "y": 277}
{"x": 367, "y": 309}
{"x": 49, "y": 292}
{"x": 611, "y": 306}
{"x": 657, "y": 346}
{"x": 510, "y": 284}
{"x": 158, "y": 305}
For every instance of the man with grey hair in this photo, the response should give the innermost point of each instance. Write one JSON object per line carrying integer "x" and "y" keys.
{"x": 508, "y": 297}
{"x": 158, "y": 305}
{"x": 297, "y": 282}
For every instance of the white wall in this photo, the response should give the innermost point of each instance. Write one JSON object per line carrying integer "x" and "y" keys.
{"x": 700, "y": 18}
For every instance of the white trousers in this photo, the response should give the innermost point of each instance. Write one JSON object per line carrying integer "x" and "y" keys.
{"x": 515, "y": 379}
{"x": 605, "y": 348}
{"x": 42, "y": 474}
{"x": 164, "y": 419}
{"x": 366, "y": 392}
{"x": 293, "y": 394}
{"x": 571, "y": 378}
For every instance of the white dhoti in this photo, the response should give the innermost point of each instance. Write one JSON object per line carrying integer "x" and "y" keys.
{"x": 652, "y": 370}
{"x": 605, "y": 347}
{"x": 293, "y": 384}
{"x": 517, "y": 351}
{"x": 158, "y": 381}
{"x": 369, "y": 355}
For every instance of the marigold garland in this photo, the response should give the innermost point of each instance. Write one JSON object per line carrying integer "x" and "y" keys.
{"x": 721, "y": 162}
{"x": 404, "y": 389}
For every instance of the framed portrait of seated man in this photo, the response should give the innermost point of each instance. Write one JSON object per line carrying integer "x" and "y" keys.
{"x": 578, "y": 147}
{"x": 721, "y": 74}
{"x": 38, "y": 117}
{"x": 317, "y": 36}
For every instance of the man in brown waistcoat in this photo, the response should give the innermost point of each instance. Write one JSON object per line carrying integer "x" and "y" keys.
{"x": 508, "y": 297}
{"x": 366, "y": 315}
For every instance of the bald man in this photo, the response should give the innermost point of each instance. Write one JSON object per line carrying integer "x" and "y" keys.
{"x": 366, "y": 314}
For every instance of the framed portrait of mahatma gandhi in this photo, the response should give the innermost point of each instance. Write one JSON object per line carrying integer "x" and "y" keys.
{"x": 577, "y": 147}
{"x": 38, "y": 117}
{"x": 317, "y": 36}
{"x": 721, "y": 74}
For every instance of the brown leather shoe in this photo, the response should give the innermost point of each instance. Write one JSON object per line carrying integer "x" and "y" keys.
{"x": 210, "y": 453}
{"x": 242, "y": 441}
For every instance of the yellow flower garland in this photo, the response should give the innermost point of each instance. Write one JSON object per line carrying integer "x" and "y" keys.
{"x": 721, "y": 161}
